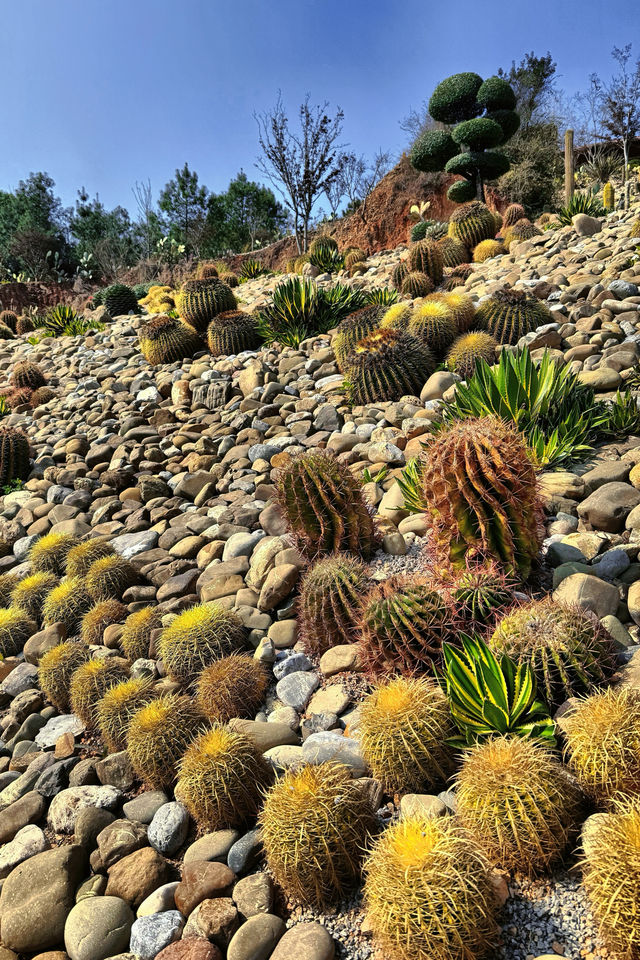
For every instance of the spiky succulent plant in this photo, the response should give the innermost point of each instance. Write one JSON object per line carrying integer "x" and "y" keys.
{"x": 397, "y": 317}
{"x": 426, "y": 256}
{"x": 487, "y": 249}
{"x": 232, "y": 332}
{"x": 158, "y": 735}
{"x": 40, "y": 396}
{"x": 14, "y": 455}
{"x": 24, "y": 325}
{"x": 56, "y": 668}
{"x": 461, "y": 307}
{"x": 457, "y": 277}
{"x": 206, "y": 270}
{"x": 398, "y": 274}
{"x": 324, "y": 507}
{"x": 8, "y": 582}
{"x": 603, "y": 744}
{"x": 136, "y": 633}
{"x": 9, "y": 319}
{"x": 403, "y": 624}
{"x": 30, "y": 593}
{"x": 89, "y": 684}
{"x": 315, "y": 825}
{"x": 120, "y": 299}
{"x": 433, "y": 322}
{"x": 166, "y": 339}
{"x": 83, "y": 555}
{"x": 416, "y": 284}
{"x": 428, "y": 893}
{"x": 471, "y": 223}
{"x": 568, "y": 649}
{"x": 109, "y": 577}
{"x": 221, "y": 779}
{"x": 353, "y": 329}
{"x": 201, "y": 300}
{"x": 403, "y": 730}
{"x": 479, "y": 489}
{"x": 99, "y": 617}
{"x": 517, "y": 801}
{"x": 467, "y": 349}
{"x": 481, "y": 594}
{"x": 27, "y": 375}
{"x": 67, "y": 603}
{"x": 454, "y": 252}
{"x": 117, "y": 707}
{"x": 198, "y": 637}
{"x": 387, "y": 365}
{"x": 233, "y": 686}
{"x": 330, "y": 597}
{"x": 513, "y": 213}
{"x": 15, "y": 629}
{"x": 351, "y": 257}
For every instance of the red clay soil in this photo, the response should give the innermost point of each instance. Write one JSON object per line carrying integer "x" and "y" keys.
{"x": 17, "y": 296}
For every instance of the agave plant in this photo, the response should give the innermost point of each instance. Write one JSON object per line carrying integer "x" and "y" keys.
{"x": 588, "y": 203}
{"x": 300, "y": 309}
{"x": 251, "y": 268}
{"x": 488, "y": 696}
{"x": 410, "y": 483}
{"x": 60, "y": 317}
{"x": 327, "y": 260}
{"x": 381, "y": 295}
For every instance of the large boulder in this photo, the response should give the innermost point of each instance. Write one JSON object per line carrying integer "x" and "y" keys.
{"x": 97, "y": 928}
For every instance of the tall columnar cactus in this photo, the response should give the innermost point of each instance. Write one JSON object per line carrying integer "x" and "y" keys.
{"x": 14, "y": 455}
{"x": 324, "y": 508}
{"x": 403, "y": 624}
{"x": 454, "y": 252}
{"x": 56, "y": 669}
{"x": 330, "y": 598}
{"x": 465, "y": 352}
{"x": 167, "y": 339}
{"x": 428, "y": 893}
{"x": 198, "y": 637}
{"x": 387, "y": 365}
{"x": 510, "y": 314}
{"x": 569, "y": 651}
{"x": 120, "y": 299}
{"x": 232, "y": 332}
{"x": 471, "y": 223}
{"x": 221, "y": 779}
{"x": 433, "y": 322}
{"x": 27, "y": 375}
{"x": 353, "y": 329}
{"x": 611, "y": 878}
{"x": 314, "y": 826}
{"x": 426, "y": 256}
{"x": 609, "y": 197}
{"x": 517, "y": 801}
{"x": 403, "y": 729}
{"x": 201, "y": 300}
{"x": 480, "y": 116}
{"x": 479, "y": 487}
{"x": 513, "y": 213}
{"x": 158, "y": 735}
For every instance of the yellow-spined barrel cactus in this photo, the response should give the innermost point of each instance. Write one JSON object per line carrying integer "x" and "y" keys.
{"x": 40, "y": 396}
{"x": 67, "y": 603}
{"x": 354, "y": 256}
{"x": 315, "y": 825}
{"x": 433, "y": 322}
{"x": 608, "y": 197}
{"x": 158, "y": 735}
{"x": 460, "y": 305}
{"x": 232, "y": 332}
{"x": 487, "y": 249}
{"x": 6, "y": 333}
{"x": 27, "y": 375}
{"x": 30, "y": 593}
{"x": 221, "y": 779}
{"x": 635, "y": 228}
{"x": 611, "y": 878}
{"x": 116, "y": 709}
{"x": 14, "y": 455}
{"x": 465, "y": 352}
{"x": 510, "y": 314}
{"x": 426, "y": 256}
{"x": 353, "y": 329}
{"x": 403, "y": 623}
{"x": 8, "y": 582}
{"x": 90, "y": 682}
{"x": 498, "y": 219}
{"x": 397, "y": 316}
{"x": 99, "y": 617}
{"x": 568, "y": 649}
{"x": 324, "y": 507}
{"x": 471, "y": 223}
{"x": 16, "y": 626}
{"x": 330, "y": 598}
{"x": 603, "y": 744}
{"x": 453, "y": 252}
{"x": 201, "y": 300}
{"x": 416, "y": 284}
{"x": 520, "y": 231}
{"x": 81, "y": 557}
{"x": 403, "y": 729}
{"x": 109, "y": 577}
{"x": 136, "y": 633}
{"x": 518, "y": 802}
{"x": 479, "y": 487}
{"x": 387, "y": 365}
{"x": 428, "y": 893}
{"x": 50, "y": 552}
{"x": 198, "y": 637}
{"x": 56, "y": 669}
{"x": 513, "y": 213}
{"x": 167, "y": 339}
{"x": 233, "y": 686}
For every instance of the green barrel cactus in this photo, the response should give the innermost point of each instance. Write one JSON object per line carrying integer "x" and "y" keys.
{"x": 471, "y": 223}
{"x": 416, "y": 284}
{"x": 120, "y": 299}
{"x": 14, "y": 455}
{"x": 232, "y": 332}
{"x": 387, "y": 365}
{"x": 354, "y": 328}
{"x": 201, "y": 300}
{"x": 510, "y": 314}
{"x": 167, "y": 340}
{"x": 330, "y": 597}
{"x": 426, "y": 256}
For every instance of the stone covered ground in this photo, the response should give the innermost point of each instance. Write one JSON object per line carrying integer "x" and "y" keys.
{"x": 175, "y": 465}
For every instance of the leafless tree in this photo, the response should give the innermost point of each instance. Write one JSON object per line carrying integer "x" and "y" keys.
{"x": 300, "y": 165}
{"x": 144, "y": 200}
{"x": 621, "y": 103}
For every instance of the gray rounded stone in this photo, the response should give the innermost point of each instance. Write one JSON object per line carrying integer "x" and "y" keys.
{"x": 257, "y": 938}
{"x": 97, "y": 928}
{"x": 150, "y": 935}
{"x": 168, "y": 829}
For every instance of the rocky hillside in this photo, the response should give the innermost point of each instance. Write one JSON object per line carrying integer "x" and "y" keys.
{"x": 128, "y": 832}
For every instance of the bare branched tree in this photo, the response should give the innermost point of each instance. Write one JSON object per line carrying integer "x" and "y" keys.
{"x": 144, "y": 201}
{"x": 300, "y": 165}
{"x": 621, "y": 103}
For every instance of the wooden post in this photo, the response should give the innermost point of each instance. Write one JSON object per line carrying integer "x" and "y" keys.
{"x": 568, "y": 166}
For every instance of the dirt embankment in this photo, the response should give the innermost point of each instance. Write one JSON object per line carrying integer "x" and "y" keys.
{"x": 18, "y": 296}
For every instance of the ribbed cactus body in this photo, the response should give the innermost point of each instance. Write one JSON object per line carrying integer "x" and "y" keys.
{"x": 398, "y": 274}
{"x": 9, "y": 319}
{"x": 387, "y": 365}
{"x": 232, "y": 332}
{"x": 510, "y": 314}
{"x": 120, "y": 299}
{"x": 416, "y": 284}
{"x": 608, "y": 197}
{"x": 14, "y": 455}
{"x": 453, "y": 252}
{"x": 426, "y": 256}
{"x": 479, "y": 487}
{"x": 167, "y": 339}
{"x": 513, "y": 213}
{"x": 465, "y": 352}
{"x": 201, "y": 300}
{"x": 324, "y": 508}
{"x": 487, "y": 249}
{"x": 520, "y": 231}
{"x": 354, "y": 328}
{"x": 471, "y": 223}
{"x": 433, "y": 322}
{"x": 330, "y": 597}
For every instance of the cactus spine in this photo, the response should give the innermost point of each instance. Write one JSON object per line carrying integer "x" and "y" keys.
{"x": 330, "y": 598}
{"x": 387, "y": 365}
{"x": 510, "y": 314}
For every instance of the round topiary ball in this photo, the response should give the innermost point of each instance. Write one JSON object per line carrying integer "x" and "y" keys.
{"x": 431, "y": 150}
{"x": 455, "y": 98}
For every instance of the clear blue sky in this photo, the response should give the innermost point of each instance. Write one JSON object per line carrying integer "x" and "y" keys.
{"x": 102, "y": 93}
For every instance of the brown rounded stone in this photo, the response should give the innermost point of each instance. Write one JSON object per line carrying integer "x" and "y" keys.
{"x": 214, "y": 920}
{"x": 134, "y": 877}
{"x": 192, "y": 949}
{"x": 202, "y": 880}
